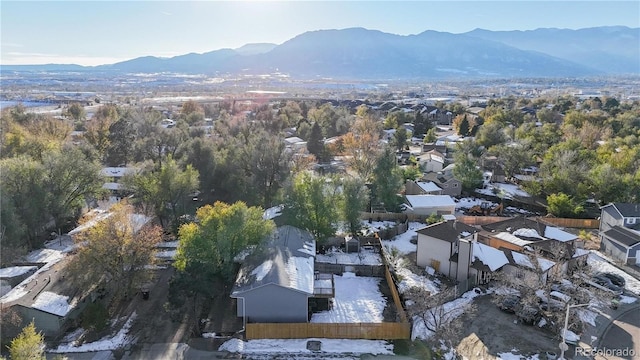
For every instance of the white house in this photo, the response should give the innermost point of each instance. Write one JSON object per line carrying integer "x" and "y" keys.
{"x": 451, "y": 248}
{"x": 429, "y": 204}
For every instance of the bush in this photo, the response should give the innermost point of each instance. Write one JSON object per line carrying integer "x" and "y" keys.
{"x": 95, "y": 317}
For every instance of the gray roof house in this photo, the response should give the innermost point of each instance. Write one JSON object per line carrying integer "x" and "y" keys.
{"x": 451, "y": 248}
{"x": 275, "y": 283}
{"x": 620, "y": 232}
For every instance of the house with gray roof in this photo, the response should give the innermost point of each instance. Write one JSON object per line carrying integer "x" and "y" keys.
{"x": 451, "y": 248}
{"x": 276, "y": 283}
{"x": 620, "y": 232}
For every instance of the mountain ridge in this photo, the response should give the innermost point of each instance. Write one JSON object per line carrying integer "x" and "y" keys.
{"x": 372, "y": 54}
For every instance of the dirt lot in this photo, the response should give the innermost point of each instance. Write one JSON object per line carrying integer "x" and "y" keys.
{"x": 491, "y": 331}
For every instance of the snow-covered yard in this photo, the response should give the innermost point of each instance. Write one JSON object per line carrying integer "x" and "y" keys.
{"x": 402, "y": 242}
{"x": 299, "y": 346}
{"x": 358, "y": 300}
{"x": 120, "y": 339}
{"x": 453, "y": 309}
{"x": 364, "y": 257}
{"x": 506, "y": 190}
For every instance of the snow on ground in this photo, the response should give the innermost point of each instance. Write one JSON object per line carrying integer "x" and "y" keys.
{"x": 402, "y": 242}
{"x": 119, "y": 340}
{"x": 340, "y": 346}
{"x": 599, "y": 263}
{"x": 375, "y": 226}
{"x": 627, "y": 299}
{"x": 410, "y": 279}
{"x": 468, "y": 203}
{"x": 587, "y": 316}
{"x": 364, "y": 257}
{"x": 10, "y": 272}
{"x": 512, "y": 356}
{"x": 453, "y": 309}
{"x": 358, "y": 300}
{"x": 509, "y": 190}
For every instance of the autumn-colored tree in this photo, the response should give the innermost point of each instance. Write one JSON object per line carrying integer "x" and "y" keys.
{"x": 361, "y": 144}
{"x": 116, "y": 252}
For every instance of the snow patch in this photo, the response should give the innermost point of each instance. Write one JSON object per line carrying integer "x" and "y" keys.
{"x": 262, "y": 270}
{"x": 358, "y": 300}
{"x": 339, "y": 346}
{"x": 53, "y": 303}
{"x": 119, "y": 340}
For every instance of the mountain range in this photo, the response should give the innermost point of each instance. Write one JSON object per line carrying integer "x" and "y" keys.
{"x": 358, "y": 53}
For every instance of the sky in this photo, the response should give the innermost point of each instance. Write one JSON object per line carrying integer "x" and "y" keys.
{"x": 103, "y": 32}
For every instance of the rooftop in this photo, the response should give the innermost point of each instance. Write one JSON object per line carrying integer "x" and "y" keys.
{"x": 447, "y": 230}
{"x": 286, "y": 260}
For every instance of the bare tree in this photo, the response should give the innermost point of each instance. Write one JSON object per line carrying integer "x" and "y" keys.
{"x": 443, "y": 321}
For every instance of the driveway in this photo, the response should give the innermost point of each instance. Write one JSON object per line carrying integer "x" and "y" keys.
{"x": 491, "y": 331}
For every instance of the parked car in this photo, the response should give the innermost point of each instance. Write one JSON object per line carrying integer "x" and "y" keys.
{"x": 615, "y": 279}
{"x": 603, "y": 280}
{"x": 528, "y": 315}
{"x": 509, "y": 303}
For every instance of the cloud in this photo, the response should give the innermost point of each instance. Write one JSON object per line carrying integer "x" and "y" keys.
{"x": 166, "y": 13}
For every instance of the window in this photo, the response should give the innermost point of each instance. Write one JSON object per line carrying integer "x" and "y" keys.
{"x": 631, "y": 221}
{"x": 455, "y": 185}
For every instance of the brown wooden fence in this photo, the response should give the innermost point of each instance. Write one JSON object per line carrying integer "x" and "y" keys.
{"x": 572, "y": 223}
{"x": 331, "y": 331}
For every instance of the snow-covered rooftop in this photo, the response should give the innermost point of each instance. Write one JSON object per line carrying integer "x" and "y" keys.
{"x": 117, "y": 171}
{"x": 493, "y": 258}
{"x": 11, "y": 272}
{"x": 526, "y": 232}
{"x": 512, "y": 238}
{"x": 558, "y": 234}
{"x": 419, "y": 201}
{"x": 428, "y": 186}
{"x": 53, "y": 303}
{"x": 287, "y": 261}
{"x": 523, "y": 260}
{"x": 272, "y": 212}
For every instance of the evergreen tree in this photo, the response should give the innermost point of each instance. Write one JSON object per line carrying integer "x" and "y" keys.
{"x": 315, "y": 145}
{"x": 28, "y": 345}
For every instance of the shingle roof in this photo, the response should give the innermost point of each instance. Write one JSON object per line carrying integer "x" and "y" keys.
{"x": 447, "y": 230}
{"x": 286, "y": 260}
{"x": 623, "y": 235}
{"x": 627, "y": 209}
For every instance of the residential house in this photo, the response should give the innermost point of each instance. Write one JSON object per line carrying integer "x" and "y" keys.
{"x": 47, "y": 300}
{"x": 421, "y": 188}
{"x": 429, "y": 204}
{"x": 276, "y": 283}
{"x": 620, "y": 232}
{"x": 295, "y": 144}
{"x": 451, "y": 248}
{"x": 431, "y": 161}
{"x": 445, "y": 180}
{"x": 113, "y": 176}
{"x": 528, "y": 268}
{"x": 531, "y": 236}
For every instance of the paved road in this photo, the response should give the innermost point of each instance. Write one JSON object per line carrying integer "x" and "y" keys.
{"x": 622, "y": 334}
